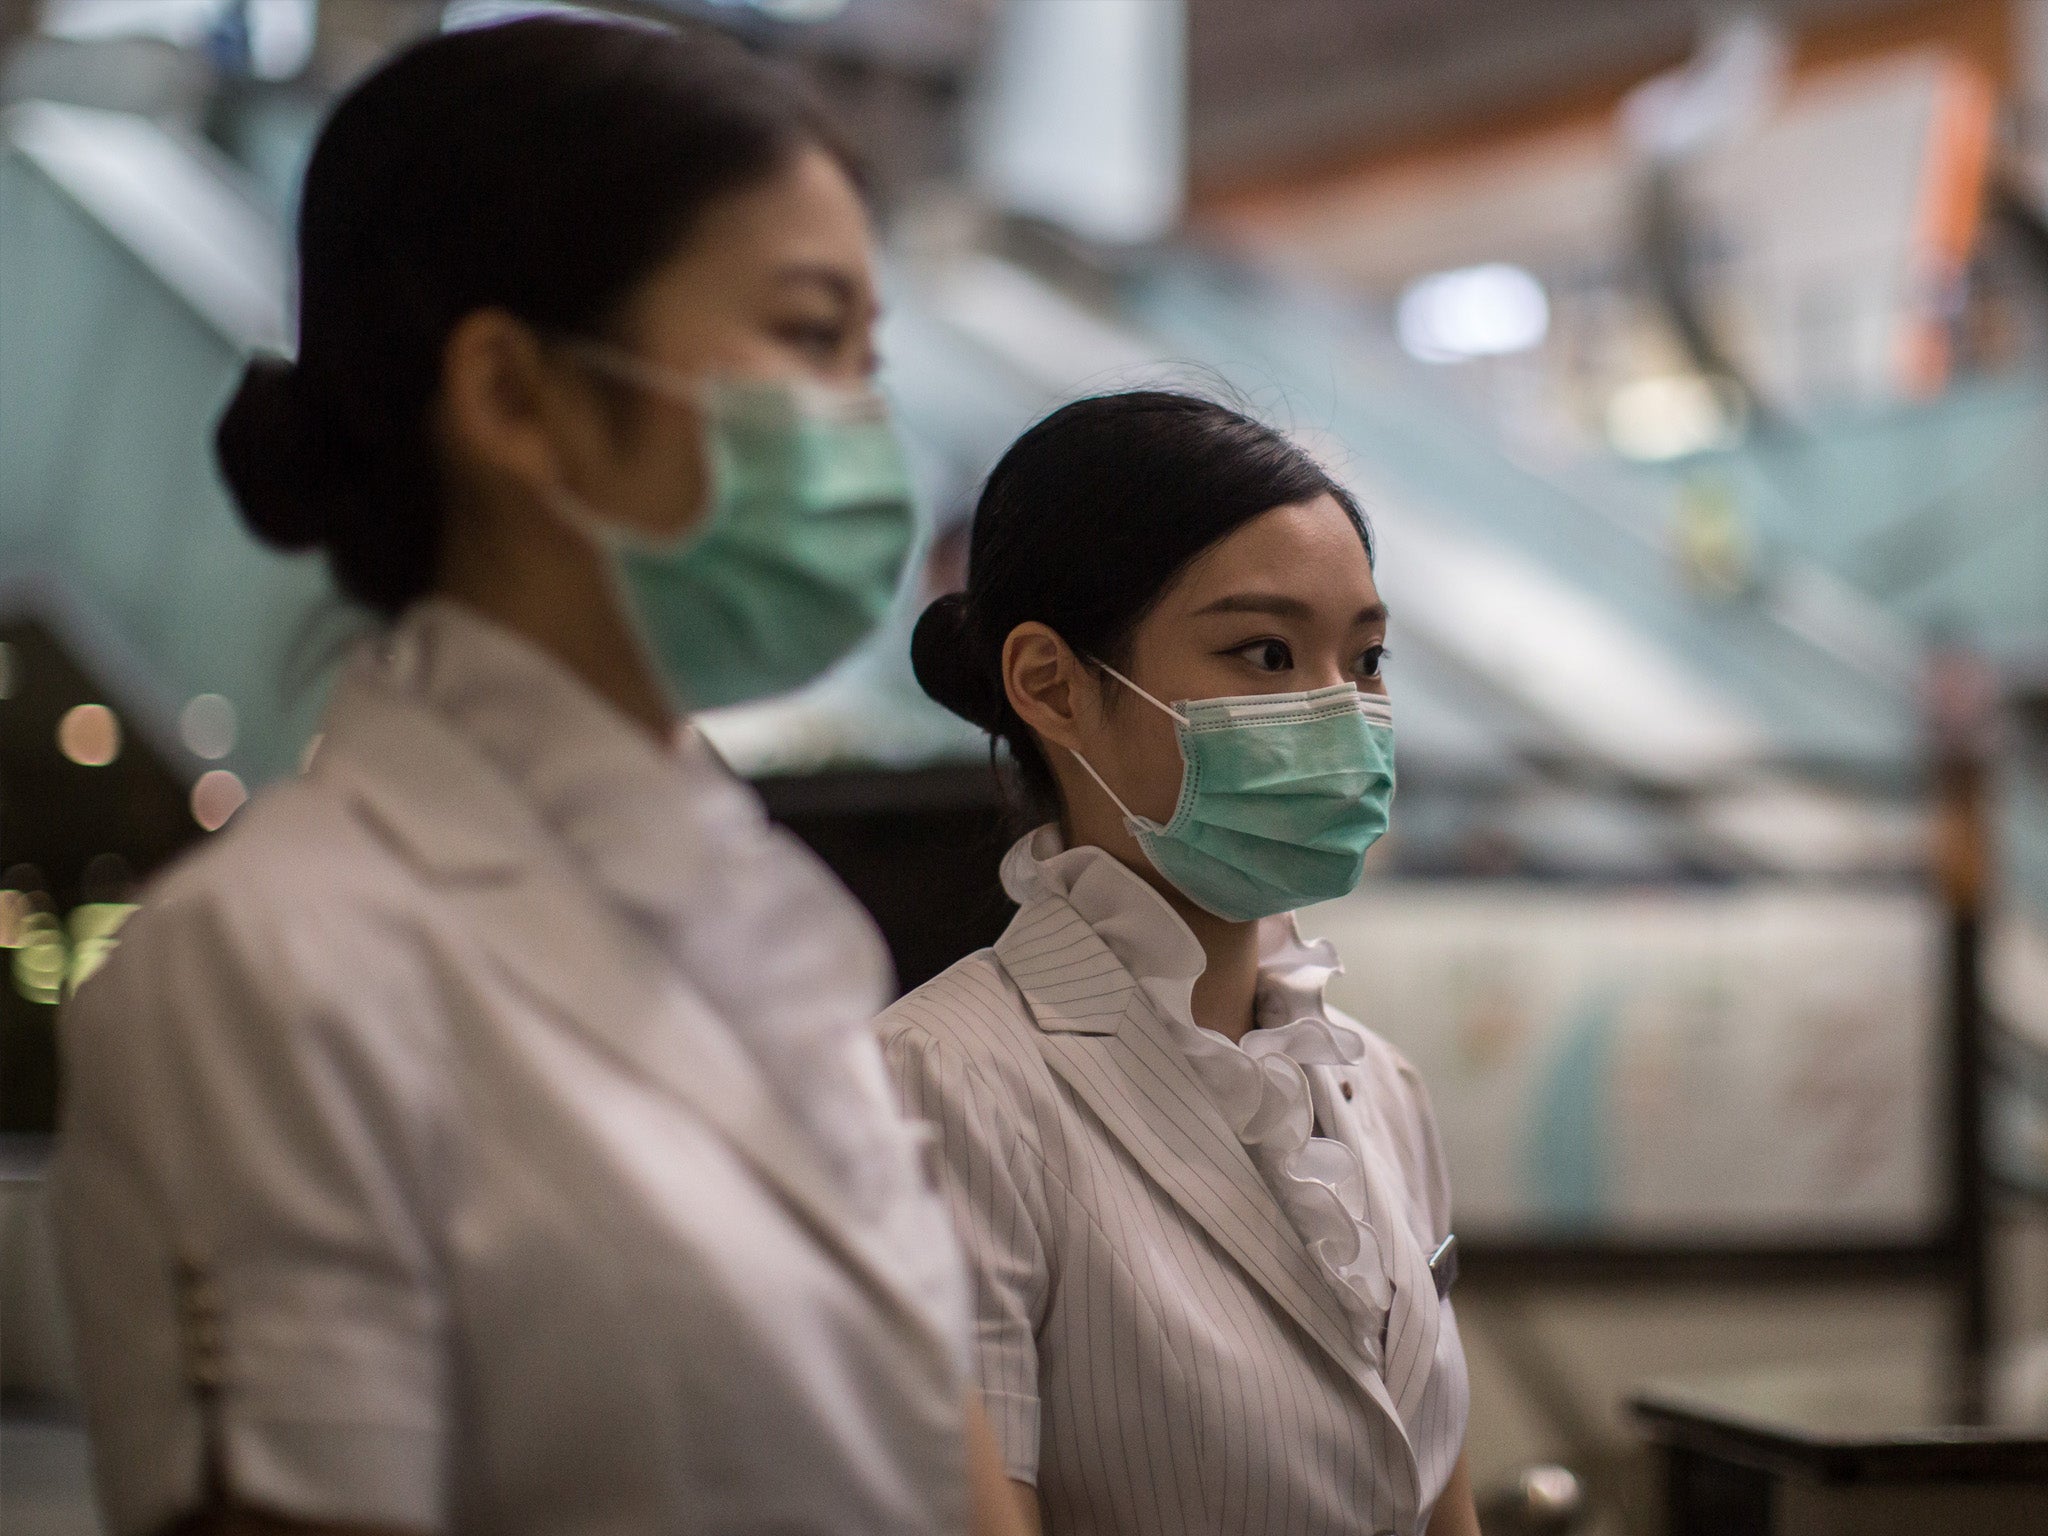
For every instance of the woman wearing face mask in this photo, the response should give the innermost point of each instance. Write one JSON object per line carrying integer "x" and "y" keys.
{"x": 1200, "y": 1205}
{"x": 484, "y": 1133}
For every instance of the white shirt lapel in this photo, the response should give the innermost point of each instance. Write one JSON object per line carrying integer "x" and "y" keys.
{"x": 464, "y": 829}
{"x": 1103, "y": 1040}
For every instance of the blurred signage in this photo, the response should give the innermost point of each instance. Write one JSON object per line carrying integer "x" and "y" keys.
{"x": 1748, "y": 1066}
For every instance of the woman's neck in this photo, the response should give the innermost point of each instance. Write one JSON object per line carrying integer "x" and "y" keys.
{"x": 1226, "y": 993}
{"x": 1227, "y": 990}
{"x": 555, "y": 593}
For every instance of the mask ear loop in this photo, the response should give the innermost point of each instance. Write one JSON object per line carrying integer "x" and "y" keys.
{"x": 1168, "y": 709}
{"x": 844, "y": 403}
{"x": 625, "y": 367}
{"x": 578, "y": 515}
{"x": 622, "y": 366}
{"x": 1115, "y": 798}
{"x": 1141, "y": 693}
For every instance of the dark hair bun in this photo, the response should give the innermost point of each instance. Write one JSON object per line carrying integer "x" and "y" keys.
{"x": 946, "y": 659}
{"x": 264, "y": 445}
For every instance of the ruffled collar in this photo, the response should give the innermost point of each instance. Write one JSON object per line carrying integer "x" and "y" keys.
{"x": 1260, "y": 1084}
{"x": 1147, "y": 936}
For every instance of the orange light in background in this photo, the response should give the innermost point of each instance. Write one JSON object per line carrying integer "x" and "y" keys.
{"x": 216, "y": 797}
{"x": 90, "y": 735}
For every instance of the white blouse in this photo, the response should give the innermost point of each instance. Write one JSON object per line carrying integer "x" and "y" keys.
{"x": 1258, "y": 1082}
{"x": 483, "y": 1133}
{"x": 1202, "y": 1285}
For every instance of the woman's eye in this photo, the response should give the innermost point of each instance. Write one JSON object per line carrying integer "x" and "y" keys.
{"x": 1267, "y": 655}
{"x": 823, "y": 341}
{"x": 1369, "y": 660}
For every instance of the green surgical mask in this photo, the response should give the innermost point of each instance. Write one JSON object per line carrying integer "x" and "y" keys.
{"x": 799, "y": 556}
{"x": 1281, "y": 794}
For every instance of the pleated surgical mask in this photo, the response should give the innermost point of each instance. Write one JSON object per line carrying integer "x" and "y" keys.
{"x": 1281, "y": 795}
{"x": 800, "y": 553}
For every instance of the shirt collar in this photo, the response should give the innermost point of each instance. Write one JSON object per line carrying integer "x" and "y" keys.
{"x": 636, "y": 813}
{"x": 684, "y": 851}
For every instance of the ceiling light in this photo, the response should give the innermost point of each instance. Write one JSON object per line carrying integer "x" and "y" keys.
{"x": 1484, "y": 311}
{"x": 1670, "y": 416}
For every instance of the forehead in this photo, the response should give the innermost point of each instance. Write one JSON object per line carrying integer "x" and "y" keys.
{"x": 806, "y": 225}
{"x": 1308, "y": 550}
{"x": 807, "y": 215}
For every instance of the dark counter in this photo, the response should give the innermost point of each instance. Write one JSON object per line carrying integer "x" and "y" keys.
{"x": 1830, "y": 1451}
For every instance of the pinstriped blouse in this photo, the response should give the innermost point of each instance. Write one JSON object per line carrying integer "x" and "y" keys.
{"x": 1159, "y": 1349}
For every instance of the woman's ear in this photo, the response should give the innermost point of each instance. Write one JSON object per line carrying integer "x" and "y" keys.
{"x": 500, "y": 412}
{"x": 1050, "y": 689}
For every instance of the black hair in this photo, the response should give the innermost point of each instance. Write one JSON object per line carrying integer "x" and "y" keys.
{"x": 1083, "y": 525}
{"x": 545, "y": 167}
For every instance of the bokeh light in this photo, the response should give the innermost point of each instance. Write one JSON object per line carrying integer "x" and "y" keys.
{"x": 207, "y": 726}
{"x": 216, "y": 797}
{"x": 40, "y": 967}
{"x": 95, "y": 929}
{"x": 90, "y": 735}
{"x": 15, "y": 907}
{"x": 1485, "y": 311}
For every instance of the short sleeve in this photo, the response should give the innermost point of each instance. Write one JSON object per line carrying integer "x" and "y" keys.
{"x": 989, "y": 1179}
{"x": 242, "y": 1193}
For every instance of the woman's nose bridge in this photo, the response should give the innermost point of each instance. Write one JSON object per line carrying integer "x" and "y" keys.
{"x": 1329, "y": 670}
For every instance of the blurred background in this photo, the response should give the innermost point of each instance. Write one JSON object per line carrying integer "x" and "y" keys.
{"x": 1692, "y": 363}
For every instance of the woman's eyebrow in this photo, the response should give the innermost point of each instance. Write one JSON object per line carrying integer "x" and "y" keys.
{"x": 842, "y": 286}
{"x": 1280, "y": 606}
